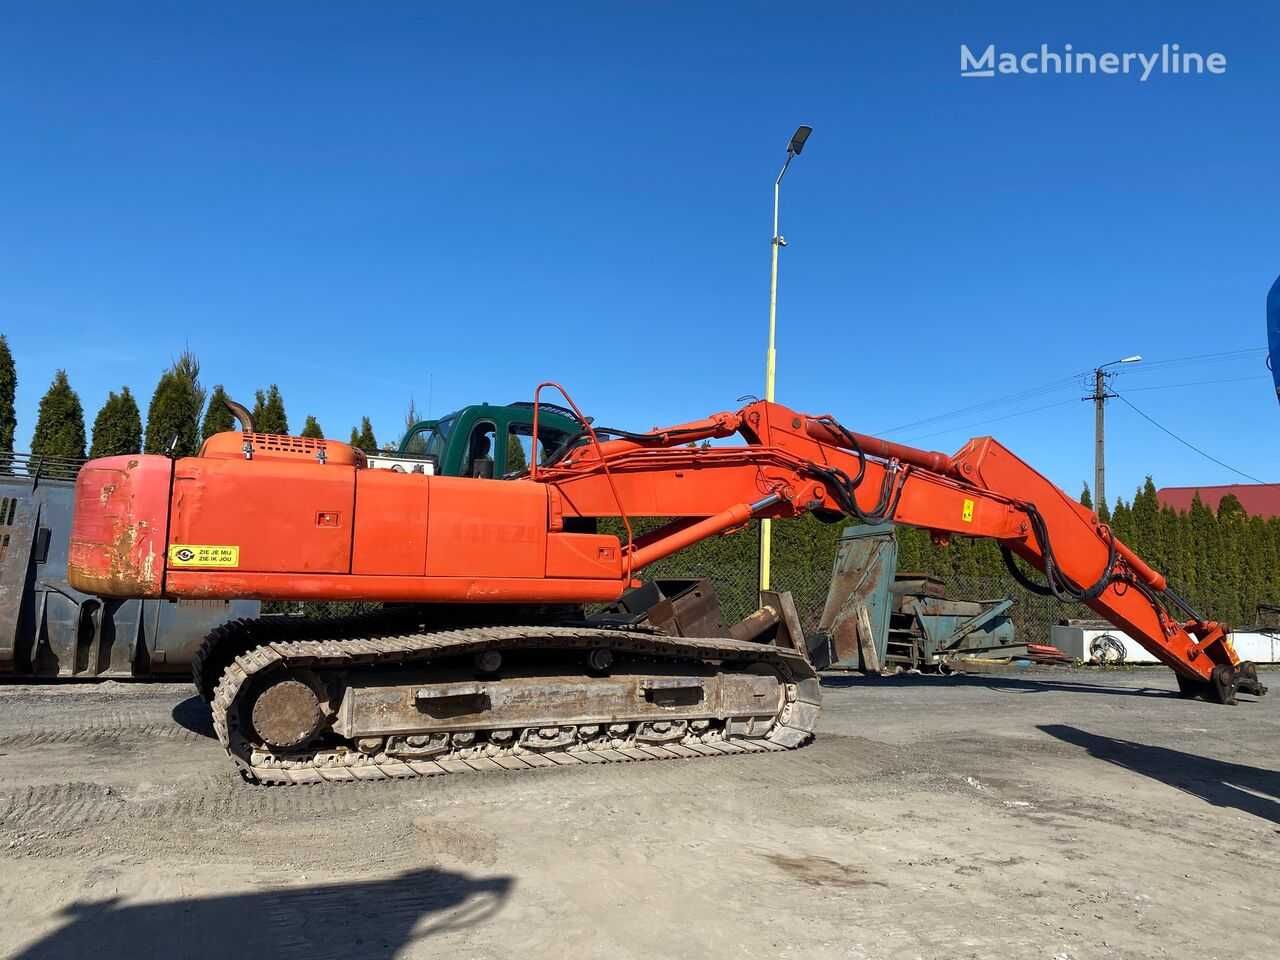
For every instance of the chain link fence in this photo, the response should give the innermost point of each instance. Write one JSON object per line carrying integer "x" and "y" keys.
{"x": 732, "y": 563}
{"x": 802, "y": 567}
{"x": 1033, "y": 616}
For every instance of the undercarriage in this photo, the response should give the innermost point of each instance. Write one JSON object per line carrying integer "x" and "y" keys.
{"x": 317, "y": 701}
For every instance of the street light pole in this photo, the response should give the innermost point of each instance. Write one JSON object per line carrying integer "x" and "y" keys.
{"x": 771, "y": 354}
{"x": 1099, "y": 397}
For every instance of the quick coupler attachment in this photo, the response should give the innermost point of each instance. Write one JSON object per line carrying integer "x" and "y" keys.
{"x": 1225, "y": 683}
{"x": 1246, "y": 680}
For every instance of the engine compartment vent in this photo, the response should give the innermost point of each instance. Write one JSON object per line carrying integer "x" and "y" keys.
{"x": 236, "y": 445}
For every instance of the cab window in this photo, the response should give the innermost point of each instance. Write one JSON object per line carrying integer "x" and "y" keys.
{"x": 416, "y": 443}
{"x": 439, "y": 439}
{"x": 521, "y": 446}
{"x": 479, "y": 462}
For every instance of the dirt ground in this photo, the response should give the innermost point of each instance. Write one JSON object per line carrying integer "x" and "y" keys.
{"x": 1054, "y": 814}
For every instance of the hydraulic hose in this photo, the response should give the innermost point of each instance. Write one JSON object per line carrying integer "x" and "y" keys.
{"x": 1058, "y": 584}
{"x": 610, "y": 433}
{"x": 843, "y": 486}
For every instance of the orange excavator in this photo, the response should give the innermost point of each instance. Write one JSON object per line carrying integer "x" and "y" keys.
{"x": 485, "y": 657}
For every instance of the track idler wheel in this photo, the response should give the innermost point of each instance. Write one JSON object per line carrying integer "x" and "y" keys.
{"x": 288, "y": 714}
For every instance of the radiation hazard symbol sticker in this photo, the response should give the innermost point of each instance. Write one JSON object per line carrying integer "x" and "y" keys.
{"x": 203, "y": 555}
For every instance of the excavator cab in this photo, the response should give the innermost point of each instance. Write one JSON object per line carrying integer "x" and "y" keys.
{"x": 482, "y": 441}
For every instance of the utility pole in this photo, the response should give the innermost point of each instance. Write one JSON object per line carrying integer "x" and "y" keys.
{"x": 771, "y": 355}
{"x": 1100, "y": 395}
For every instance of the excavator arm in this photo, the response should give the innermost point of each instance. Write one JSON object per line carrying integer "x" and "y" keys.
{"x": 795, "y": 463}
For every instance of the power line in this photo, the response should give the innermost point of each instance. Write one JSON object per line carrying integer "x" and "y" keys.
{"x": 1026, "y": 394}
{"x": 1062, "y": 383}
{"x": 1240, "y": 351}
{"x": 983, "y": 423}
{"x": 1198, "y": 383}
{"x": 1187, "y": 443}
{"x": 1225, "y": 355}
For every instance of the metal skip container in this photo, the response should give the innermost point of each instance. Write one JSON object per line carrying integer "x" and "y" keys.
{"x": 878, "y": 620}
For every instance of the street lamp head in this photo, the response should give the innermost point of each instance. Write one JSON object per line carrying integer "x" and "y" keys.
{"x": 798, "y": 138}
{"x": 1133, "y": 359}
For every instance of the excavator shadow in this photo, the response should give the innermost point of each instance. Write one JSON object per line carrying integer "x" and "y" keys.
{"x": 1004, "y": 683}
{"x": 193, "y": 714}
{"x": 1253, "y": 790}
{"x": 374, "y": 920}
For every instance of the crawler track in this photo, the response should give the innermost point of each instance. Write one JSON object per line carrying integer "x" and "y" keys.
{"x": 788, "y": 726}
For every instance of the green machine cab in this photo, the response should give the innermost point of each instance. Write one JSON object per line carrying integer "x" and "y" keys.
{"x": 482, "y": 440}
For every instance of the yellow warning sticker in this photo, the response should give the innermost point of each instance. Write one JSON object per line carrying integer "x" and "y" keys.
{"x": 203, "y": 555}
{"x": 966, "y": 512}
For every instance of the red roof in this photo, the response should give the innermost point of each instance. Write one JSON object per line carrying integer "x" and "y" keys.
{"x": 1258, "y": 499}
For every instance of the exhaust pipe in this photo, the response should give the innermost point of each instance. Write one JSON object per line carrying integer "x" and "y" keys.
{"x": 241, "y": 414}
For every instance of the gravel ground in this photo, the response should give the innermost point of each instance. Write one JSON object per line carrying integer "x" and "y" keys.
{"x": 1049, "y": 814}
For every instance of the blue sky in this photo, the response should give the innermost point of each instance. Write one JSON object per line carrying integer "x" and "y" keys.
{"x": 351, "y": 202}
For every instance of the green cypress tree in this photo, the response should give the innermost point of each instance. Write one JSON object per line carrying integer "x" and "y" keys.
{"x": 1146, "y": 531}
{"x": 312, "y": 429}
{"x": 1086, "y": 499}
{"x": 1271, "y": 567}
{"x": 991, "y": 565}
{"x": 8, "y": 390}
{"x": 940, "y": 560}
{"x": 268, "y": 412}
{"x": 1122, "y": 521}
{"x": 1173, "y": 532}
{"x": 1253, "y": 561}
{"x": 60, "y": 424}
{"x": 964, "y": 557}
{"x": 516, "y": 460}
{"x": 1269, "y": 588}
{"x": 910, "y": 548}
{"x": 117, "y": 430}
{"x": 173, "y": 418}
{"x": 418, "y": 443}
{"x": 1203, "y": 529}
{"x": 1189, "y": 572}
{"x": 1232, "y": 529}
{"x": 275, "y": 411}
{"x": 365, "y": 439}
{"x": 217, "y": 418}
